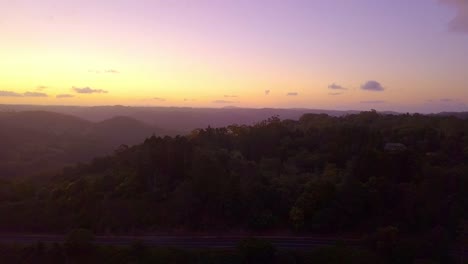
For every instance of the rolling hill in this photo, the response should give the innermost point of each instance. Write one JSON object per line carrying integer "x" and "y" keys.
{"x": 40, "y": 141}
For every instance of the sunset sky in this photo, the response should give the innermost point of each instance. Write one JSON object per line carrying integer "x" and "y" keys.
{"x": 403, "y": 55}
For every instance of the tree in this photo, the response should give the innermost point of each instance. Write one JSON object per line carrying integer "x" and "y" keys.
{"x": 296, "y": 217}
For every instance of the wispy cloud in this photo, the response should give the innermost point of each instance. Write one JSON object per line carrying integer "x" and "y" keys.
{"x": 372, "y": 86}
{"x": 292, "y": 94}
{"x": 267, "y": 92}
{"x": 446, "y": 104}
{"x": 87, "y": 90}
{"x": 230, "y": 96}
{"x": 460, "y": 22}
{"x": 41, "y": 88}
{"x": 159, "y": 99}
{"x": 443, "y": 101}
{"x": 35, "y": 94}
{"x": 335, "y": 86}
{"x": 224, "y": 102}
{"x": 26, "y": 94}
{"x": 60, "y": 96}
{"x": 10, "y": 94}
{"x": 446, "y": 100}
{"x": 373, "y": 102}
{"x": 112, "y": 71}
{"x": 335, "y": 93}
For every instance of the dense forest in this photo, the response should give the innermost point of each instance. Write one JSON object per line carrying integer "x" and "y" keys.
{"x": 402, "y": 176}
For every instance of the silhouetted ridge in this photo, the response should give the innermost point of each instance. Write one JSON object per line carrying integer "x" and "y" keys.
{"x": 39, "y": 141}
{"x": 42, "y": 121}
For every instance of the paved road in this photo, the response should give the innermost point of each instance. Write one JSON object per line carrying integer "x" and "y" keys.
{"x": 185, "y": 241}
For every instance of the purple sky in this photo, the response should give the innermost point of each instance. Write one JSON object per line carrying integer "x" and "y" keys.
{"x": 407, "y": 55}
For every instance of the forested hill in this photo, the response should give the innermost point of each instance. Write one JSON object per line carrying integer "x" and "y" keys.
{"x": 319, "y": 174}
{"x": 178, "y": 119}
{"x": 35, "y": 142}
{"x": 462, "y": 115}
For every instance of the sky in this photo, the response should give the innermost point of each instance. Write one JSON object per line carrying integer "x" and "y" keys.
{"x": 400, "y": 55}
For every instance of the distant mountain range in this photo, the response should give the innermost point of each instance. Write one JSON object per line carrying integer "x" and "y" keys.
{"x": 462, "y": 115}
{"x": 178, "y": 119}
{"x": 39, "y": 141}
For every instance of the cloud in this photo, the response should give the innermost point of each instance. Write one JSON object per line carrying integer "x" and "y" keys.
{"x": 372, "y": 86}
{"x": 373, "y": 102}
{"x": 335, "y": 93}
{"x": 446, "y": 104}
{"x": 35, "y": 94}
{"x": 443, "y": 101}
{"x": 224, "y": 102}
{"x": 230, "y": 96}
{"x": 292, "y": 94}
{"x": 87, "y": 90}
{"x": 9, "y": 94}
{"x": 26, "y": 94}
{"x": 335, "y": 86}
{"x": 446, "y": 100}
{"x": 64, "y": 96}
{"x": 41, "y": 88}
{"x": 159, "y": 99}
{"x": 460, "y": 22}
{"x": 111, "y": 71}
{"x": 267, "y": 92}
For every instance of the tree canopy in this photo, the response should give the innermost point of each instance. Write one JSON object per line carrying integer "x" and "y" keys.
{"x": 318, "y": 174}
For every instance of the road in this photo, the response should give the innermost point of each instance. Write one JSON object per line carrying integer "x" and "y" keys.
{"x": 194, "y": 242}
{"x": 221, "y": 242}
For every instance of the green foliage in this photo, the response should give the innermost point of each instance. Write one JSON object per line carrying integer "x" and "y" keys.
{"x": 320, "y": 174}
{"x": 297, "y": 218}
